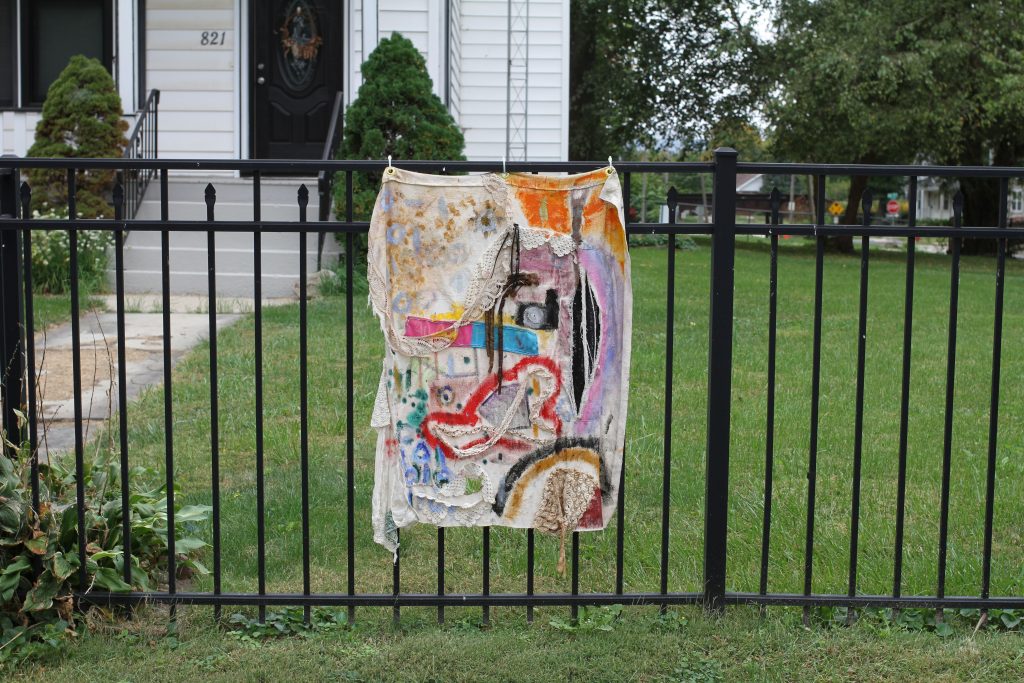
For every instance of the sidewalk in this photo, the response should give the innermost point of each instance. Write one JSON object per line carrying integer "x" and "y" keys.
{"x": 144, "y": 360}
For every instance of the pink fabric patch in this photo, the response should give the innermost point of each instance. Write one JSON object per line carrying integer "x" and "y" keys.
{"x": 424, "y": 327}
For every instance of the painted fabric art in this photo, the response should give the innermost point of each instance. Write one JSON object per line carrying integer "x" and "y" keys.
{"x": 506, "y": 306}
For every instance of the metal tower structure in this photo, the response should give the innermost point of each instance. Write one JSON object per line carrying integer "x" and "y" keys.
{"x": 517, "y": 79}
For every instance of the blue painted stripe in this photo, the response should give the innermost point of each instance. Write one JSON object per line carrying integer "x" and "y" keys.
{"x": 516, "y": 339}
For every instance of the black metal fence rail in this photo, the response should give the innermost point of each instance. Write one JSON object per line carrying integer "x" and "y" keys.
{"x": 17, "y": 312}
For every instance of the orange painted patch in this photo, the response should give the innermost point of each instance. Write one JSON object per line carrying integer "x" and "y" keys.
{"x": 544, "y": 209}
{"x": 601, "y": 218}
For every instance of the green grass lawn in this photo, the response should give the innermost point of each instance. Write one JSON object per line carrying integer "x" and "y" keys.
{"x": 686, "y": 648}
{"x": 740, "y": 644}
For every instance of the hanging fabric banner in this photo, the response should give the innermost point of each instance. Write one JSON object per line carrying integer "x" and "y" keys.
{"x": 506, "y": 306}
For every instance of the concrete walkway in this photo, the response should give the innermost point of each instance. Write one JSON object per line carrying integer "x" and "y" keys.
{"x": 144, "y": 361}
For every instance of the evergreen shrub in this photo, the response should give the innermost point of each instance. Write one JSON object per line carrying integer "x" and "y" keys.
{"x": 82, "y": 117}
{"x": 395, "y": 112}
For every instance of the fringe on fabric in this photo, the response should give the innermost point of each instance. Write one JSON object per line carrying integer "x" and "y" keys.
{"x": 515, "y": 281}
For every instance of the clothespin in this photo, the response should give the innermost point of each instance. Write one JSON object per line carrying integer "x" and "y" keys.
{"x": 504, "y": 170}
{"x": 611, "y": 168}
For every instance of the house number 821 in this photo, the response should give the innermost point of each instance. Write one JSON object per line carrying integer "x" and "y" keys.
{"x": 213, "y": 37}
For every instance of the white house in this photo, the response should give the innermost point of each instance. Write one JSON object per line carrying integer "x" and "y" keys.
{"x": 935, "y": 200}
{"x": 257, "y": 79}
{"x": 253, "y": 79}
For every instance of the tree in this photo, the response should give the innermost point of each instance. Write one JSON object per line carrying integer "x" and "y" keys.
{"x": 396, "y": 112}
{"x": 985, "y": 49}
{"x": 82, "y": 117}
{"x": 900, "y": 81}
{"x": 655, "y": 73}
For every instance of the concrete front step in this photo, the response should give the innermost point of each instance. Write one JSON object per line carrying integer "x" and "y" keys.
{"x": 232, "y": 259}
{"x": 234, "y": 262}
{"x": 234, "y": 199}
{"x": 239, "y": 285}
{"x": 270, "y": 241}
{"x": 227, "y": 211}
{"x": 188, "y": 257}
{"x": 193, "y": 187}
{"x": 274, "y": 190}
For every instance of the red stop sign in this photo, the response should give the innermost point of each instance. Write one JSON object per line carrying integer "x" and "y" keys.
{"x": 893, "y": 207}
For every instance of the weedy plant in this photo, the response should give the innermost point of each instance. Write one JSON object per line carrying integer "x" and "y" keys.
{"x": 51, "y": 257}
{"x": 39, "y": 553}
{"x": 590, "y": 619}
{"x": 918, "y": 619}
{"x": 288, "y": 621}
{"x": 696, "y": 668}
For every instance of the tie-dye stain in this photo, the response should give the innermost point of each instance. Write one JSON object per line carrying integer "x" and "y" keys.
{"x": 506, "y": 305}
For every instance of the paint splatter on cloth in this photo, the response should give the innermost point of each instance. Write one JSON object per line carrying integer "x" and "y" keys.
{"x": 506, "y": 306}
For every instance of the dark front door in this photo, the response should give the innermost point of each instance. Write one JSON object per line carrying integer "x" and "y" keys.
{"x": 296, "y": 70}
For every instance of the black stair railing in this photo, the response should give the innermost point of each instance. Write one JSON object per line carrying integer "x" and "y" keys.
{"x": 142, "y": 144}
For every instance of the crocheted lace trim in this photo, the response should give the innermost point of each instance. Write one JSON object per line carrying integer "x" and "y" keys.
{"x": 559, "y": 243}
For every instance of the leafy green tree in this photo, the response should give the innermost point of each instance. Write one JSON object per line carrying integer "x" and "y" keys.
{"x": 983, "y": 52}
{"x": 82, "y": 118}
{"x": 900, "y": 81}
{"x": 396, "y": 112}
{"x": 740, "y": 134}
{"x": 655, "y": 73}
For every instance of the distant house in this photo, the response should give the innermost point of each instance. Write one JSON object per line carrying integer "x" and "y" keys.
{"x": 749, "y": 183}
{"x": 935, "y": 200}
{"x": 257, "y": 78}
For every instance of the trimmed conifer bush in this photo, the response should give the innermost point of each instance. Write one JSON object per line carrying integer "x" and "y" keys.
{"x": 395, "y": 112}
{"x": 82, "y": 117}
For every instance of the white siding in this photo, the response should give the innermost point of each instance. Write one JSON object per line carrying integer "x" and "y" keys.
{"x": 125, "y": 53}
{"x": 17, "y": 131}
{"x": 482, "y": 79}
{"x": 408, "y": 17}
{"x": 197, "y": 82}
{"x": 204, "y": 111}
{"x": 478, "y": 66}
{"x": 354, "y": 53}
{"x": 455, "y": 59}
{"x": 421, "y": 21}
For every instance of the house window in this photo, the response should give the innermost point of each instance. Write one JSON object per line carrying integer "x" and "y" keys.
{"x": 1017, "y": 201}
{"x": 53, "y": 31}
{"x": 8, "y": 40}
